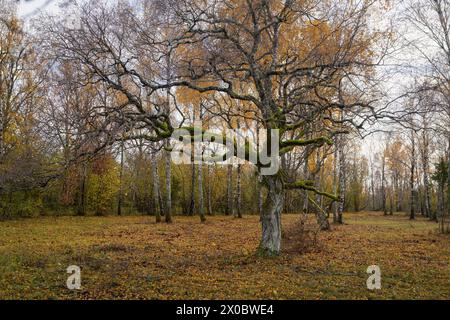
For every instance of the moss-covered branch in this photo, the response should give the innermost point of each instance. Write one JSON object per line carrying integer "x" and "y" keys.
{"x": 305, "y": 142}
{"x": 308, "y": 186}
{"x": 198, "y": 134}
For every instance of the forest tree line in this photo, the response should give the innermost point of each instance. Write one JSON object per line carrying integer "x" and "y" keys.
{"x": 87, "y": 112}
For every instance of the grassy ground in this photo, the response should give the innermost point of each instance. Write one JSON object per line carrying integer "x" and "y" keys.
{"x": 131, "y": 257}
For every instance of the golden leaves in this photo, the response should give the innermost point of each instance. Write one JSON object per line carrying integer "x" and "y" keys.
{"x": 132, "y": 258}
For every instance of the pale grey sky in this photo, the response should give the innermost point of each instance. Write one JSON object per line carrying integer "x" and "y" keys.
{"x": 27, "y": 8}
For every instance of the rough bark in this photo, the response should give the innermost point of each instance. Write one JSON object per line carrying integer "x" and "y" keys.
{"x": 201, "y": 209}
{"x": 259, "y": 182}
{"x": 335, "y": 180}
{"x": 119, "y": 204}
{"x": 305, "y": 176}
{"x": 229, "y": 205}
{"x": 168, "y": 208}
{"x": 391, "y": 204}
{"x": 341, "y": 179}
{"x": 2, "y": 133}
{"x": 441, "y": 206}
{"x": 412, "y": 213}
{"x": 238, "y": 207}
{"x": 321, "y": 215}
{"x": 396, "y": 192}
{"x": 193, "y": 174}
{"x": 372, "y": 183}
{"x": 81, "y": 210}
{"x": 192, "y": 197}
{"x": 156, "y": 193}
{"x": 260, "y": 197}
{"x": 209, "y": 193}
{"x": 383, "y": 183}
{"x": 425, "y": 169}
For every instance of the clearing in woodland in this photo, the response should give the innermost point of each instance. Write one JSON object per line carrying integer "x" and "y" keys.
{"x": 132, "y": 257}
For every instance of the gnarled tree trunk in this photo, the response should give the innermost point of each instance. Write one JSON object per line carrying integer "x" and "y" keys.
{"x": 271, "y": 215}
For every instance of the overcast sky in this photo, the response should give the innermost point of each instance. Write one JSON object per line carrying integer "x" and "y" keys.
{"x": 27, "y": 8}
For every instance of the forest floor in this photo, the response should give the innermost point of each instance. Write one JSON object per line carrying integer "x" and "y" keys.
{"x": 133, "y": 258}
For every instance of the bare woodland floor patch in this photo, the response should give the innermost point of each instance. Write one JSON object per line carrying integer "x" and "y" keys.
{"x": 132, "y": 257}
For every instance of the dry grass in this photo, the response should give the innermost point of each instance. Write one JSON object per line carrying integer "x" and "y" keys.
{"x": 131, "y": 257}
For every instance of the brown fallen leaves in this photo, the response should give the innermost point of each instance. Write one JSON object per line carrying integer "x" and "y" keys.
{"x": 133, "y": 258}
